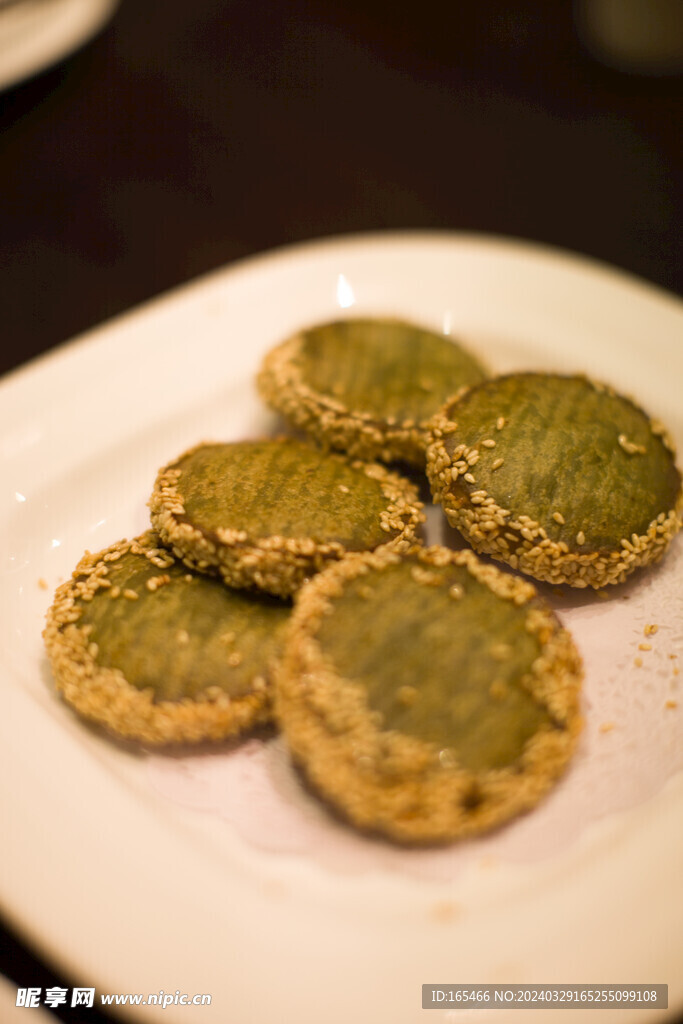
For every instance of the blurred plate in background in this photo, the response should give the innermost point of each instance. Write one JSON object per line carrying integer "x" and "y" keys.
{"x": 35, "y": 34}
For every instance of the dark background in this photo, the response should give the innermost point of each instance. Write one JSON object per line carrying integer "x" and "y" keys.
{"x": 189, "y": 134}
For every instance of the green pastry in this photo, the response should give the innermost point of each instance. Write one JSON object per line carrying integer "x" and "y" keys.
{"x": 366, "y": 386}
{"x": 559, "y": 476}
{"x": 268, "y": 514}
{"x": 156, "y": 653}
{"x": 428, "y": 695}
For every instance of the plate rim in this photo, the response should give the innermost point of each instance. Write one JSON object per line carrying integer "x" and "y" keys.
{"x": 257, "y": 261}
{"x": 43, "y": 366}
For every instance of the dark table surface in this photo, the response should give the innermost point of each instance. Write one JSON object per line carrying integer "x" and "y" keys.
{"x": 187, "y": 135}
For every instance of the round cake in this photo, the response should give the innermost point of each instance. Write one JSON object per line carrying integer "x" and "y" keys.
{"x": 559, "y": 476}
{"x": 156, "y": 653}
{"x": 269, "y": 514}
{"x": 427, "y": 695}
{"x": 367, "y": 386}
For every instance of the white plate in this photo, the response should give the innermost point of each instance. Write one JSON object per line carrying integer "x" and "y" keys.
{"x": 37, "y": 33}
{"x": 134, "y": 884}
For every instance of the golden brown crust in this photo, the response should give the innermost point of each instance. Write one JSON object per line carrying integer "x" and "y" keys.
{"x": 389, "y": 782}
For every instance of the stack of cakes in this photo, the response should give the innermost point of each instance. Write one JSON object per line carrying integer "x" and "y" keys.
{"x": 425, "y": 693}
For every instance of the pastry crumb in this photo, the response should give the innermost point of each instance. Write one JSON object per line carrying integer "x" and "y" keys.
{"x": 444, "y": 910}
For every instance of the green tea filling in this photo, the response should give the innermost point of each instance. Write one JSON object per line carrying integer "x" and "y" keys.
{"x": 181, "y": 633}
{"x": 386, "y": 368}
{"x": 286, "y": 490}
{"x": 442, "y": 659}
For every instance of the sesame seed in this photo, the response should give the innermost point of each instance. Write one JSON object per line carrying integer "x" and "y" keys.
{"x": 426, "y": 576}
{"x": 470, "y": 479}
{"x": 500, "y": 651}
{"x": 500, "y": 423}
{"x": 580, "y": 538}
{"x": 447, "y": 758}
{"x": 638, "y": 662}
{"x": 644, "y": 647}
{"x": 606, "y": 727}
{"x": 406, "y": 695}
{"x": 671, "y": 703}
{"x": 630, "y": 447}
{"x": 497, "y": 463}
{"x": 559, "y": 518}
{"x": 489, "y": 443}
{"x": 131, "y": 595}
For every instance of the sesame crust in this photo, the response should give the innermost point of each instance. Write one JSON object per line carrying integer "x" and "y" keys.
{"x": 275, "y": 564}
{"x": 328, "y": 420}
{"x": 520, "y": 540}
{"x": 388, "y": 782}
{"x": 103, "y": 695}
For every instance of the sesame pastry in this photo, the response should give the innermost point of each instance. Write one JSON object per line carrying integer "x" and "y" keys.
{"x": 427, "y": 696}
{"x": 269, "y": 514}
{"x": 558, "y": 476}
{"x": 153, "y": 652}
{"x": 366, "y": 386}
